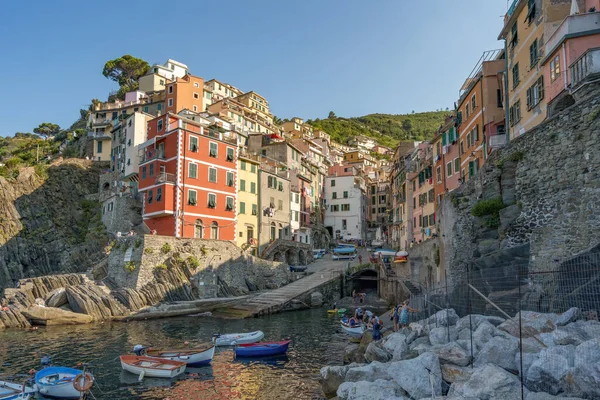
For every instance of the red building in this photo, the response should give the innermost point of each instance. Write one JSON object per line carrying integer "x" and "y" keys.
{"x": 188, "y": 177}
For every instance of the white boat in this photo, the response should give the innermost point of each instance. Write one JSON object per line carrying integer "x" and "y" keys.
{"x": 352, "y": 330}
{"x": 152, "y": 367}
{"x": 59, "y": 382}
{"x": 14, "y": 391}
{"x": 231, "y": 339}
{"x": 192, "y": 357}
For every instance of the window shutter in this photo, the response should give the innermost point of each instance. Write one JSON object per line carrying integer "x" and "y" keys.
{"x": 444, "y": 139}
{"x": 541, "y": 87}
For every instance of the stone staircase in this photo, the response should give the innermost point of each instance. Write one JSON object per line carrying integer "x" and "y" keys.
{"x": 412, "y": 288}
{"x": 279, "y": 299}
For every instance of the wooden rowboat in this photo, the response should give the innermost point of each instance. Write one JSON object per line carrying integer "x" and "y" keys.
{"x": 152, "y": 367}
{"x": 59, "y": 382}
{"x": 263, "y": 349}
{"x": 352, "y": 330}
{"x": 192, "y": 357}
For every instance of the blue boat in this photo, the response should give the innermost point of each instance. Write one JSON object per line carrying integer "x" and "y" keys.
{"x": 14, "y": 391}
{"x": 60, "y": 382}
{"x": 340, "y": 253}
{"x": 263, "y": 349}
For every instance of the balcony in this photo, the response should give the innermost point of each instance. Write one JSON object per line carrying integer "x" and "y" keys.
{"x": 151, "y": 156}
{"x": 512, "y": 8}
{"x": 100, "y": 135}
{"x": 164, "y": 177}
{"x": 102, "y": 122}
{"x": 573, "y": 26}
{"x": 588, "y": 64}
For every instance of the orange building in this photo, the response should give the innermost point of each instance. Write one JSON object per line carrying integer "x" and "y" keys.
{"x": 185, "y": 93}
{"x": 188, "y": 177}
{"x": 479, "y": 107}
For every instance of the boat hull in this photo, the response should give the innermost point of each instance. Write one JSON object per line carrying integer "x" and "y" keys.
{"x": 60, "y": 389}
{"x": 354, "y": 331}
{"x": 192, "y": 359}
{"x": 262, "y": 349}
{"x": 14, "y": 391}
{"x": 239, "y": 338}
{"x": 153, "y": 372}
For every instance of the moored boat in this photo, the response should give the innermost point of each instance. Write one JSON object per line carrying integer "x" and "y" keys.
{"x": 63, "y": 382}
{"x": 298, "y": 268}
{"x": 341, "y": 253}
{"x": 354, "y": 330}
{"x": 14, "y": 391}
{"x": 152, "y": 367}
{"x": 192, "y": 357}
{"x": 337, "y": 310}
{"x": 231, "y": 339}
{"x": 262, "y": 349}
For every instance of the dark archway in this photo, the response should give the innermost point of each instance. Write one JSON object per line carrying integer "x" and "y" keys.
{"x": 365, "y": 281}
{"x": 290, "y": 257}
{"x": 301, "y": 257}
{"x": 277, "y": 256}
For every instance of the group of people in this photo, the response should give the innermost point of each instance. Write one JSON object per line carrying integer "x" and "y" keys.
{"x": 400, "y": 315}
{"x": 369, "y": 318}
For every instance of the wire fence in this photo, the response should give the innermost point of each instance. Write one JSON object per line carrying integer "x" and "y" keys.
{"x": 535, "y": 325}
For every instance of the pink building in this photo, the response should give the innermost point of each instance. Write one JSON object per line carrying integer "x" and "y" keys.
{"x": 572, "y": 55}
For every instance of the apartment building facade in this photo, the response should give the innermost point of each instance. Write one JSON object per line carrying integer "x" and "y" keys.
{"x": 274, "y": 204}
{"x": 345, "y": 215}
{"x": 188, "y": 177}
{"x": 247, "y": 201}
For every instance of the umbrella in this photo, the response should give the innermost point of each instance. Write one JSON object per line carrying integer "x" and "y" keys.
{"x": 574, "y": 7}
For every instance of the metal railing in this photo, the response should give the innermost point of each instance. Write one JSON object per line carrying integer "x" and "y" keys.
{"x": 164, "y": 177}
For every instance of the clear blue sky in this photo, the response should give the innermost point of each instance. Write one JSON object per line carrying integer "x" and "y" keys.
{"x": 306, "y": 57}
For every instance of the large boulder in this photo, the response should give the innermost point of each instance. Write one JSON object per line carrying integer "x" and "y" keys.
{"x": 377, "y": 390}
{"x": 439, "y": 336}
{"x": 376, "y": 352}
{"x": 483, "y": 334}
{"x": 54, "y": 316}
{"x": 452, "y": 353}
{"x": 316, "y": 299}
{"x": 499, "y": 351}
{"x": 419, "y": 377}
{"x": 586, "y": 374}
{"x": 396, "y": 345}
{"x": 453, "y": 373}
{"x": 473, "y": 321}
{"x": 92, "y": 301}
{"x": 489, "y": 382}
{"x": 567, "y": 317}
{"x": 332, "y": 377}
{"x": 447, "y": 317}
{"x": 533, "y": 323}
{"x": 56, "y": 298}
{"x": 551, "y": 370}
{"x": 351, "y": 354}
{"x": 370, "y": 372}
{"x": 528, "y": 360}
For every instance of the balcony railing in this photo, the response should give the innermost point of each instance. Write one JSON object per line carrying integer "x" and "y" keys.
{"x": 164, "y": 177}
{"x": 152, "y": 155}
{"x": 102, "y": 122}
{"x": 512, "y": 8}
{"x": 573, "y": 25}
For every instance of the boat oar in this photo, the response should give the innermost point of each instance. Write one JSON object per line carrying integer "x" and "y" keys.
{"x": 141, "y": 377}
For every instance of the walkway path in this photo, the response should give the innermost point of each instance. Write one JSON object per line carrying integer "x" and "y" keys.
{"x": 322, "y": 271}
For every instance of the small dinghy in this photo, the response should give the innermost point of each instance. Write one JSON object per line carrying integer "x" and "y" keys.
{"x": 231, "y": 339}
{"x": 337, "y": 310}
{"x": 14, "y": 391}
{"x": 152, "y": 367}
{"x": 192, "y": 357}
{"x": 63, "y": 382}
{"x": 354, "y": 330}
{"x": 262, "y": 349}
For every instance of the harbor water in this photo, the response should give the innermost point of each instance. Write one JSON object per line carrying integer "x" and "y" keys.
{"x": 316, "y": 341}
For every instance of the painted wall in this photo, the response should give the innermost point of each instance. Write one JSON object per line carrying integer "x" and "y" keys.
{"x": 248, "y": 195}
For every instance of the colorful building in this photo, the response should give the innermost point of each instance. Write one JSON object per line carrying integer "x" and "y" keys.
{"x": 423, "y": 194}
{"x": 479, "y": 106}
{"x": 346, "y": 212}
{"x": 188, "y": 175}
{"x": 446, "y": 159}
{"x": 572, "y": 53}
{"x": 185, "y": 93}
{"x": 526, "y": 25}
{"x": 274, "y": 203}
{"x": 247, "y": 200}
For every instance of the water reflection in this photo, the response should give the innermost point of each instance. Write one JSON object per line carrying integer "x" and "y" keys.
{"x": 315, "y": 342}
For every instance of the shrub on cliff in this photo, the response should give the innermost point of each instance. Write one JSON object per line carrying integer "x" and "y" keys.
{"x": 130, "y": 266}
{"x": 193, "y": 262}
{"x": 166, "y": 248}
{"x": 487, "y": 207}
{"x": 161, "y": 267}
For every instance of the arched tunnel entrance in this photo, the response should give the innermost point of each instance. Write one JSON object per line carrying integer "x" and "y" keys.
{"x": 365, "y": 281}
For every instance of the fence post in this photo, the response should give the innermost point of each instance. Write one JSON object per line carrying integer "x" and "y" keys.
{"x": 470, "y": 311}
{"x": 447, "y": 306}
{"x": 520, "y": 334}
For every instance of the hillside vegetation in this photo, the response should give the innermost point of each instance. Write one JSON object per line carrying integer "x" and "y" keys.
{"x": 387, "y": 129}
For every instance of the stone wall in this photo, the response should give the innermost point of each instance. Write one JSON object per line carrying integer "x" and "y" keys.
{"x": 549, "y": 182}
{"x": 168, "y": 268}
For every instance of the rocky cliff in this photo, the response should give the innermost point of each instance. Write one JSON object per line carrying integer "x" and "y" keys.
{"x": 49, "y": 221}
{"x": 529, "y": 212}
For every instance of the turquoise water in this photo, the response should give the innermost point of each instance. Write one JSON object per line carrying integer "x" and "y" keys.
{"x": 316, "y": 341}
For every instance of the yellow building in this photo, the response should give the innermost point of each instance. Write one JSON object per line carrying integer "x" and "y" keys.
{"x": 247, "y": 204}
{"x": 527, "y": 24}
{"x": 258, "y": 104}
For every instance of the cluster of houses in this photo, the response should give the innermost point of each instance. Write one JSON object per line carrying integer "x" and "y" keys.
{"x": 206, "y": 160}
{"x": 552, "y": 50}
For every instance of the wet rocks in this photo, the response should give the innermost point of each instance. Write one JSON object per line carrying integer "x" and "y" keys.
{"x": 56, "y": 298}
{"x": 489, "y": 382}
{"x": 54, "y": 316}
{"x": 375, "y": 352}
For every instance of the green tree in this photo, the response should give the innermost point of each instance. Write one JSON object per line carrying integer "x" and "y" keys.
{"x": 126, "y": 71}
{"x": 47, "y": 129}
{"x": 407, "y": 125}
{"x": 331, "y": 115}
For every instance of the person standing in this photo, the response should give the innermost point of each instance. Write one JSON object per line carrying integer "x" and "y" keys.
{"x": 404, "y": 314}
{"x": 376, "y": 326}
